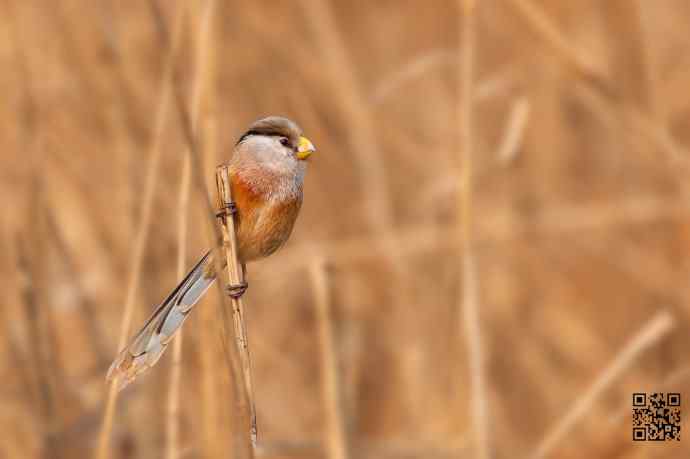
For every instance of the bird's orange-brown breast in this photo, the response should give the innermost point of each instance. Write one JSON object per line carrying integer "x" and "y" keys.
{"x": 264, "y": 223}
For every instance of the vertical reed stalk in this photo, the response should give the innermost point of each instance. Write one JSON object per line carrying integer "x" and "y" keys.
{"x": 172, "y": 444}
{"x": 469, "y": 301}
{"x": 41, "y": 349}
{"x": 103, "y": 451}
{"x": 336, "y": 440}
{"x": 235, "y": 277}
{"x": 548, "y": 30}
{"x": 210, "y": 353}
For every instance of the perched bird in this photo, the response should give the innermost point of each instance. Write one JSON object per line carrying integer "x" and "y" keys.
{"x": 267, "y": 170}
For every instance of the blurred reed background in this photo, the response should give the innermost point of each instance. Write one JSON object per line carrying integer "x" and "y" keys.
{"x": 492, "y": 255}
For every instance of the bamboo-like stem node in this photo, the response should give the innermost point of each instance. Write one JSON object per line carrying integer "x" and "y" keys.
{"x": 227, "y": 209}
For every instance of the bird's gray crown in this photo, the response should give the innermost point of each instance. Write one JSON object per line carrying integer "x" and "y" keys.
{"x": 274, "y": 126}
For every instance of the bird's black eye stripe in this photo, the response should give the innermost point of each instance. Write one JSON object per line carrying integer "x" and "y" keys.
{"x": 253, "y": 132}
{"x": 245, "y": 135}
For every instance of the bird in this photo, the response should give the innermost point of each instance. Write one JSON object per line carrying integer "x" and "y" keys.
{"x": 266, "y": 170}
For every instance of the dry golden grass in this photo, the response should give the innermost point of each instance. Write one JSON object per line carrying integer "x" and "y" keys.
{"x": 502, "y": 274}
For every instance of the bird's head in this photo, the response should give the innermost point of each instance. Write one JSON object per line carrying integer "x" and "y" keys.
{"x": 276, "y": 142}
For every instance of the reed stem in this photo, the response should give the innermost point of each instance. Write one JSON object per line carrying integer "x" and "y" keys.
{"x": 469, "y": 300}
{"x": 236, "y": 277}
{"x": 331, "y": 393}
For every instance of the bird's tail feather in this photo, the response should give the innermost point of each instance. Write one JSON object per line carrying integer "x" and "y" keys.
{"x": 144, "y": 350}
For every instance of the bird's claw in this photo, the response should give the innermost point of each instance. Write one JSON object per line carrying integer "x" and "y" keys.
{"x": 228, "y": 209}
{"x": 235, "y": 291}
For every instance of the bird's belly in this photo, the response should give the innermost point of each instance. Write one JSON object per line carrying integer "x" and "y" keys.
{"x": 265, "y": 229}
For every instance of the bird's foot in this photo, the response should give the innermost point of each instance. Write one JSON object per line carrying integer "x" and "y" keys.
{"x": 227, "y": 210}
{"x": 235, "y": 291}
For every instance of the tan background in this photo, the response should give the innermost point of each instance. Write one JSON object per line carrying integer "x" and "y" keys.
{"x": 581, "y": 219}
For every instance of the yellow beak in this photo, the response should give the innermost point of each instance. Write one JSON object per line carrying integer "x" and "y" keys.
{"x": 305, "y": 148}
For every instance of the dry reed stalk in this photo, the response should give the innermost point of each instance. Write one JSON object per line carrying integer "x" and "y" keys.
{"x": 172, "y": 428}
{"x": 630, "y": 119}
{"x": 173, "y": 421}
{"x": 39, "y": 348}
{"x": 515, "y": 130}
{"x": 542, "y": 25}
{"x": 653, "y": 331}
{"x": 236, "y": 277}
{"x": 208, "y": 349}
{"x": 331, "y": 393}
{"x": 469, "y": 301}
{"x": 141, "y": 240}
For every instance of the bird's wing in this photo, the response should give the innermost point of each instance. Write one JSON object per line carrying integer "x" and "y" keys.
{"x": 144, "y": 350}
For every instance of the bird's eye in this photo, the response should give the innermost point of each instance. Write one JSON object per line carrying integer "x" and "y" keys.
{"x": 284, "y": 141}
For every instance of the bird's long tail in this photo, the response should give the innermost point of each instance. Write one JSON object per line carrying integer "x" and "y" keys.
{"x": 144, "y": 350}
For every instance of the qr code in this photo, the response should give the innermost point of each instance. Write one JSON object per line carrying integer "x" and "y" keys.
{"x": 656, "y": 416}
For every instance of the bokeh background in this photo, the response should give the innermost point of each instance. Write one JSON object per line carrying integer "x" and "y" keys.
{"x": 524, "y": 337}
